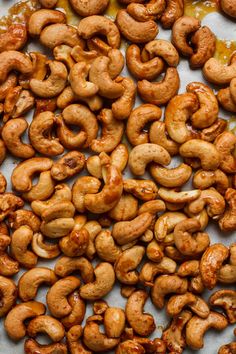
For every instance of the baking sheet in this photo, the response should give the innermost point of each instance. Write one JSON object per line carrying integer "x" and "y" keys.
{"x": 225, "y": 30}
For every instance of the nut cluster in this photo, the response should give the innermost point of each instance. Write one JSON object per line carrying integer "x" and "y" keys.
{"x": 147, "y": 232}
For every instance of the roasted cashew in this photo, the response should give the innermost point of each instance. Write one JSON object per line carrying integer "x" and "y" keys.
{"x": 204, "y": 42}
{"x": 126, "y": 264}
{"x": 163, "y": 49}
{"x": 178, "y": 111}
{"x": 42, "y": 18}
{"x": 122, "y": 107}
{"x": 206, "y": 152}
{"x": 137, "y": 120}
{"x": 151, "y": 269}
{"x": 142, "y": 189}
{"x": 166, "y": 223}
{"x": 158, "y": 135}
{"x": 173, "y": 11}
{"x": 227, "y": 222}
{"x": 30, "y": 281}
{"x": 177, "y": 302}
{"x": 13, "y": 60}
{"x": 94, "y": 166}
{"x": 66, "y": 265}
{"x": 152, "y": 207}
{"x": 103, "y": 284}
{"x": 11, "y": 134}
{"x": 31, "y": 346}
{"x": 135, "y": 31}
{"x": 119, "y": 156}
{"x": 151, "y": 10}
{"x": 9, "y": 83}
{"x": 57, "y": 296}
{"x": 56, "y": 228}
{"x": 105, "y": 241}
{"x": 8, "y": 295}
{"x": 78, "y": 311}
{"x": 160, "y": 92}
{"x": 43, "y": 249}
{"x": 205, "y": 179}
{"x": 171, "y": 196}
{"x": 225, "y": 99}
{"x": 130, "y": 347}
{"x": 142, "y": 323}
{"x": 126, "y": 209}
{"x": 227, "y": 300}
{"x": 40, "y": 135}
{"x": 8, "y": 266}
{"x": 228, "y": 7}
{"x": 74, "y": 342}
{"x": 77, "y": 78}
{"x": 182, "y": 28}
{"x": 26, "y": 169}
{"x": 3, "y": 183}
{"x": 84, "y": 185}
{"x": 111, "y": 135}
{"x": 47, "y": 325}
{"x": 76, "y": 243}
{"x": 209, "y": 134}
{"x": 21, "y": 238}
{"x": 225, "y": 144}
{"x": 90, "y": 8}
{"x": 217, "y": 73}
{"x": 68, "y": 165}
{"x": 114, "y": 322}
{"x": 22, "y": 217}
{"x": 14, "y": 38}
{"x": 48, "y": 3}
{"x": 174, "y": 177}
{"x": 196, "y": 328}
{"x": 3, "y": 151}
{"x": 9, "y": 203}
{"x": 14, "y": 322}
{"x": 227, "y": 273}
{"x": 58, "y": 34}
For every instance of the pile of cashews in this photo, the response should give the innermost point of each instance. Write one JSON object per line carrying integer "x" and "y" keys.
{"x": 148, "y": 223}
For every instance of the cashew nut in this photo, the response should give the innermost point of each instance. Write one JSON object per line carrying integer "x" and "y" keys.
{"x": 68, "y": 165}
{"x": 48, "y": 325}
{"x": 225, "y": 144}
{"x": 43, "y": 17}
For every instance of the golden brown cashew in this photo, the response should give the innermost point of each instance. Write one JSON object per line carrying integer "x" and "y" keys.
{"x": 68, "y": 165}
{"x": 94, "y": 339}
{"x": 131, "y": 347}
{"x": 46, "y": 325}
{"x": 57, "y": 296}
{"x": 166, "y": 223}
{"x": 58, "y": 34}
{"x": 225, "y": 99}
{"x": 114, "y": 322}
{"x": 227, "y": 300}
{"x": 21, "y": 238}
{"x": 119, "y": 156}
{"x": 174, "y": 10}
{"x": 41, "y": 137}
{"x": 105, "y": 241}
{"x": 225, "y": 144}
{"x": 135, "y": 31}
{"x": 81, "y": 187}
{"x": 13, "y": 60}
{"x": 140, "y": 69}
{"x": 143, "y": 189}
{"x": 206, "y": 152}
{"x": 74, "y": 342}
{"x": 54, "y": 84}
{"x": 158, "y": 135}
{"x": 227, "y": 273}
{"x": 100, "y": 307}
{"x": 182, "y": 28}
{"x": 143, "y": 154}
{"x": 212, "y": 199}
{"x": 126, "y": 209}
{"x": 7, "y": 85}
{"x": 42, "y": 18}
{"x": 228, "y": 7}
{"x": 178, "y": 111}
{"x": 160, "y": 92}
{"x": 151, "y": 269}
{"x": 204, "y": 179}
{"x": 66, "y": 265}
{"x": 30, "y": 281}
{"x": 8, "y": 295}
{"x": 126, "y": 264}
{"x": 171, "y": 196}
{"x": 89, "y": 8}
{"x": 211, "y": 262}
{"x": 219, "y": 74}
{"x": 22, "y": 217}
{"x": 163, "y": 49}
{"x": 177, "y": 302}
{"x": 204, "y": 42}
{"x": 227, "y": 222}
{"x": 78, "y": 311}
{"x": 103, "y": 284}
{"x": 3, "y": 183}
{"x": 122, "y": 107}
{"x": 142, "y": 323}
{"x": 128, "y": 231}
{"x": 196, "y": 328}
{"x": 14, "y": 38}
{"x": 56, "y": 228}
{"x": 151, "y": 10}
{"x": 9, "y": 203}
{"x": 137, "y": 120}
{"x": 11, "y": 134}
{"x": 207, "y": 114}
{"x": 8, "y": 266}
{"x": 92, "y": 25}
{"x": 42, "y": 190}
{"x": 111, "y": 135}
{"x": 174, "y": 177}
{"x": 31, "y": 346}
{"x": 76, "y": 243}
{"x": 48, "y": 3}
{"x": 14, "y": 322}
{"x": 24, "y": 171}
{"x": 43, "y": 249}
{"x": 77, "y": 78}
{"x": 94, "y": 166}
{"x": 63, "y": 53}
{"x": 209, "y": 134}
{"x": 228, "y": 348}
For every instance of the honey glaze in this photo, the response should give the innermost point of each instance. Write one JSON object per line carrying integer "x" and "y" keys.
{"x": 18, "y": 13}
{"x": 224, "y": 50}
{"x": 113, "y": 7}
{"x": 199, "y": 8}
{"x": 231, "y": 125}
{"x": 71, "y": 16}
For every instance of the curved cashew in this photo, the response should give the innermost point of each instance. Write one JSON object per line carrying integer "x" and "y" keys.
{"x": 11, "y": 133}
{"x": 77, "y": 79}
{"x": 151, "y": 10}
{"x": 228, "y": 7}
{"x": 160, "y": 92}
{"x": 14, "y": 38}
{"x": 143, "y": 189}
{"x": 66, "y": 265}
{"x": 166, "y": 223}
{"x": 205, "y": 179}
{"x": 227, "y": 273}
{"x": 225, "y": 99}
{"x": 174, "y": 10}
{"x": 182, "y": 28}
{"x": 7, "y": 85}
{"x": 24, "y": 217}
{"x": 68, "y": 165}
{"x": 105, "y": 241}
{"x": 59, "y": 34}
{"x": 73, "y": 341}
{"x": 225, "y": 299}
{"x": 227, "y": 222}
{"x": 92, "y": 7}
{"x": 177, "y": 302}
{"x": 206, "y": 152}
{"x": 103, "y": 284}
{"x": 31, "y": 346}
{"x": 8, "y": 295}
{"x": 204, "y": 42}
{"x": 8, "y": 203}
{"x": 76, "y": 243}
{"x": 78, "y": 311}
{"x": 48, "y": 325}
{"x": 14, "y": 322}
{"x": 130, "y": 347}
{"x": 217, "y": 73}
{"x": 135, "y": 31}
{"x": 42, "y": 190}
{"x": 126, "y": 264}
{"x": 171, "y": 196}
{"x": 30, "y": 281}
{"x": 119, "y": 156}
{"x": 81, "y": 187}
{"x": 126, "y": 209}
{"x": 174, "y": 177}
{"x": 196, "y": 328}
{"x": 122, "y": 107}
{"x": 138, "y": 118}
{"x": 13, "y": 60}
{"x": 209, "y": 134}
{"x": 225, "y": 144}
{"x": 158, "y": 135}
{"x": 163, "y": 49}
{"x": 151, "y": 269}
{"x": 43, "y": 17}
{"x": 42, "y": 249}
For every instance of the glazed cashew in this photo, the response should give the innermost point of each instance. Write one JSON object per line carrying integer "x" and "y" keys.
{"x": 173, "y": 10}
{"x": 174, "y": 177}
{"x": 103, "y": 284}
{"x": 206, "y": 152}
{"x": 8, "y": 295}
{"x": 30, "y": 281}
{"x": 14, "y": 322}
{"x": 79, "y": 84}
{"x": 48, "y": 325}
{"x": 137, "y": 120}
{"x": 227, "y": 273}
{"x": 204, "y": 42}
{"x": 76, "y": 243}
{"x": 7, "y": 85}
{"x": 122, "y": 107}
{"x": 225, "y": 144}
{"x": 119, "y": 156}
{"x": 22, "y": 217}
{"x": 48, "y": 3}
{"x": 126, "y": 209}
{"x": 152, "y": 207}
{"x": 131, "y": 347}
{"x": 114, "y": 322}
{"x": 166, "y": 223}
{"x": 41, "y": 137}
{"x": 31, "y": 346}
{"x": 74, "y": 342}
{"x": 151, "y": 269}
{"x": 43, "y": 249}
{"x": 227, "y": 222}
{"x": 11, "y": 134}
{"x": 177, "y": 302}
{"x": 182, "y": 28}
{"x": 151, "y": 10}
{"x": 8, "y": 266}
{"x": 219, "y": 74}
{"x": 225, "y": 299}
{"x": 135, "y": 31}
{"x": 78, "y": 311}
{"x": 225, "y": 99}
{"x": 90, "y": 8}
{"x": 143, "y": 154}
{"x": 142, "y": 323}
{"x": 158, "y": 135}
{"x": 13, "y": 60}
{"x": 84, "y": 185}
{"x": 57, "y": 296}
{"x": 111, "y": 134}
{"x": 171, "y": 196}
{"x": 228, "y": 8}
{"x": 59, "y": 34}
{"x": 126, "y": 264}
{"x": 66, "y": 265}
{"x": 178, "y": 111}
{"x": 209, "y": 134}
{"x": 196, "y": 328}
{"x": 160, "y": 92}
{"x": 105, "y": 241}
{"x": 42, "y": 18}
{"x": 26, "y": 170}
{"x": 9, "y": 203}
{"x": 205, "y": 179}
{"x": 14, "y": 38}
